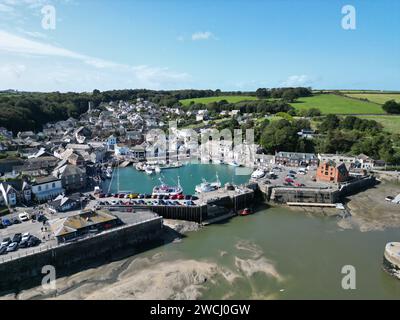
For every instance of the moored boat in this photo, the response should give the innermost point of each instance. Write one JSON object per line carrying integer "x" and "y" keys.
{"x": 208, "y": 186}
{"x": 258, "y": 174}
{"x": 165, "y": 190}
{"x": 234, "y": 163}
{"x": 149, "y": 170}
{"x": 109, "y": 172}
{"x": 245, "y": 212}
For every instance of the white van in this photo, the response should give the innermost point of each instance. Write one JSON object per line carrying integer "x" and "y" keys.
{"x": 24, "y": 216}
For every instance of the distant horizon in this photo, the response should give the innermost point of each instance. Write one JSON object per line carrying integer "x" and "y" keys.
{"x": 194, "y": 89}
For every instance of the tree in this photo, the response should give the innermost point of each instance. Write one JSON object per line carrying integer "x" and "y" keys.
{"x": 289, "y": 96}
{"x": 278, "y": 136}
{"x": 330, "y": 122}
{"x": 391, "y": 106}
{"x": 262, "y": 93}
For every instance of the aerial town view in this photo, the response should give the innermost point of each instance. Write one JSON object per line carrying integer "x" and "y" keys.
{"x": 199, "y": 150}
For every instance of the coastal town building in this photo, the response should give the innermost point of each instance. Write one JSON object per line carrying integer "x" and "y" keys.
{"x": 296, "y": 159}
{"x": 69, "y": 228}
{"x": 47, "y": 188}
{"x": 332, "y": 172}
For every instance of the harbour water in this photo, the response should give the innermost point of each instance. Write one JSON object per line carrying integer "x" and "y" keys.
{"x": 276, "y": 253}
{"x": 190, "y": 175}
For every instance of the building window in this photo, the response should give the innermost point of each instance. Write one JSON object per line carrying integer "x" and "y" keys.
{"x": 53, "y": 185}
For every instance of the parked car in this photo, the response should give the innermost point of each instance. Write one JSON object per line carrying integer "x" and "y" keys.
{"x": 24, "y": 242}
{"x": 7, "y": 222}
{"x": 299, "y": 184}
{"x": 6, "y": 242}
{"x": 102, "y": 195}
{"x": 16, "y": 221}
{"x": 33, "y": 241}
{"x": 3, "y": 250}
{"x": 17, "y": 238}
{"x": 13, "y": 246}
{"x": 289, "y": 180}
{"x": 24, "y": 216}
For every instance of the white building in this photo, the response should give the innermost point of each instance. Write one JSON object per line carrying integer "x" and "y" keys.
{"x": 47, "y": 188}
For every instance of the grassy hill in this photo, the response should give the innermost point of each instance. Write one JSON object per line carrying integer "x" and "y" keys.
{"x": 380, "y": 98}
{"x": 230, "y": 99}
{"x": 389, "y": 123}
{"x": 331, "y": 103}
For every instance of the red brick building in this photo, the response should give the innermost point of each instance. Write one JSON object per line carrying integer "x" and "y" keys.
{"x": 330, "y": 172}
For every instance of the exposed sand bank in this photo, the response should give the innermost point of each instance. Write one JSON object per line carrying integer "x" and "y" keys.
{"x": 370, "y": 210}
{"x": 159, "y": 278}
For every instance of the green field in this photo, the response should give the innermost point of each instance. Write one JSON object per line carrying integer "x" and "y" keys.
{"x": 331, "y": 103}
{"x": 389, "y": 123}
{"x": 380, "y": 98}
{"x": 230, "y": 99}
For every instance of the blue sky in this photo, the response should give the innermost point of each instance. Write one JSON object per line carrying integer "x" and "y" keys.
{"x": 177, "y": 44}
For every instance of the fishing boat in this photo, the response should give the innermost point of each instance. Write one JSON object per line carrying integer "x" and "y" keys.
{"x": 165, "y": 190}
{"x": 208, "y": 186}
{"x": 258, "y": 174}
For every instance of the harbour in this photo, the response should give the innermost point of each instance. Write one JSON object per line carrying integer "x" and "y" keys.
{"x": 270, "y": 253}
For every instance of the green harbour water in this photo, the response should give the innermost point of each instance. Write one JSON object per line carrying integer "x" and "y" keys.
{"x": 190, "y": 175}
{"x": 306, "y": 251}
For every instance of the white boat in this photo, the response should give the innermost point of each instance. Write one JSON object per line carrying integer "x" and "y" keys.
{"x": 234, "y": 163}
{"x": 218, "y": 161}
{"x": 109, "y": 172}
{"x": 258, "y": 174}
{"x": 157, "y": 169}
{"x": 165, "y": 190}
{"x": 208, "y": 186}
{"x": 149, "y": 170}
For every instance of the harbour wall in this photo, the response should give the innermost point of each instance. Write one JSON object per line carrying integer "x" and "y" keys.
{"x": 26, "y": 271}
{"x": 316, "y": 195}
{"x": 200, "y": 212}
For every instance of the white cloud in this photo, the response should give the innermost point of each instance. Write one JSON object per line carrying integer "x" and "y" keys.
{"x": 93, "y": 72}
{"x": 297, "y": 81}
{"x": 203, "y": 36}
{"x": 5, "y": 8}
